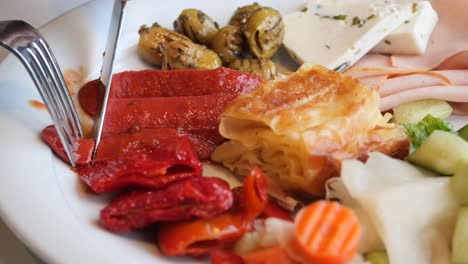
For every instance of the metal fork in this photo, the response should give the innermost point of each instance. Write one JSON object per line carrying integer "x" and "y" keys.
{"x": 32, "y": 50}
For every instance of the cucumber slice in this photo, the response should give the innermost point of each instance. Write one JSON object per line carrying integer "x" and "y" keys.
{"x": 377, "y": 257}
{"x": 463, "y": 132}
{"x": 414, "y": 112}
{"x": 441, "y": 152}
{"x": 460, "y": 238}
{"x": 459, "y": 183}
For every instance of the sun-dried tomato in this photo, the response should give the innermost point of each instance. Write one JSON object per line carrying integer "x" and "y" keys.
{"x": 199, "y": 197}
{"x": 82, "y": 154}
{"x": 198, "y": 237}
{"x": 167, "y": 163}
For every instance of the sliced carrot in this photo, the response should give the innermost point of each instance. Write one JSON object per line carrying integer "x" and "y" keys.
{"x": 273, "y": 255}
{"x": 326, "y": 232}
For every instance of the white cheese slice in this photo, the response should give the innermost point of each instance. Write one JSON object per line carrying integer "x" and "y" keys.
{"x": 411, "y": 37}
{"x": 337, "y": 33}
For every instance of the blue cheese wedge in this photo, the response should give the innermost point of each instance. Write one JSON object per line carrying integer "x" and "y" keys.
{"x": 336, "y": 33}
{"x": 412, "y": 37}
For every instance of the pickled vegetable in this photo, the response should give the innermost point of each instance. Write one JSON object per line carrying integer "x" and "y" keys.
{"x": 152, "y": 41}
{"x": 196, "y": 25}
{"x": 243, "y": 13}
{"x": 414, "y": 112}
{"x": 460, "y": 238}
{"x": 183, "y": 54}
{"x": 463, "y": 132}
{"x": 261, "y": 67}
{"x": 264, "y": 32}
{"x": 459, "y": 183}
{"x": 228, "y": 43}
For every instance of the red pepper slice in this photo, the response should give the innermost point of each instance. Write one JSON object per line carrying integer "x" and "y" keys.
{"x": 198, "y": 115}
{"x": 84, "y": 146}
{"x": 146, "y": 140}
{"x": 221, "y": 256}
{"x": 272, "y": 209}
{"x": 168, "y": 163}
{"x": 200, "y": 197}
{"x": 203, "y": 235}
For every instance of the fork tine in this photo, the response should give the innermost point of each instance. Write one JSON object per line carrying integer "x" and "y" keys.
{"x": 51, "y": 90}
{"x": 62, "y": 88}
{"x": 27, "y": 58}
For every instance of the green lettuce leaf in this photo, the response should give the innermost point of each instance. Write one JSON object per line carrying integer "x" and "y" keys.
{"x": 420, "y": 131}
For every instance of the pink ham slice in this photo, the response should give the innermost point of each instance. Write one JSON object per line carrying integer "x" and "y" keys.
{"x": 457, "y": 61}
{"x": 447, "y": 93}
{"x": 413, "y": 81}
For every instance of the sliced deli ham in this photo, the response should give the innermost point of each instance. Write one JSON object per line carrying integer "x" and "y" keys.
{"x": 448, "y": 93}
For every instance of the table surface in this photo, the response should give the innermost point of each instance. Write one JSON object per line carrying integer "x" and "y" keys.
{"x": 37, "y": 13}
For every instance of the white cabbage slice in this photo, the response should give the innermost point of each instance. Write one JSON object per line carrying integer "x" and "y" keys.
{"x": 412, "y": 212}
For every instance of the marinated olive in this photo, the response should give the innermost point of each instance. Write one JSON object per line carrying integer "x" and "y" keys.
{"x": 262, "y": 67}
{"x": 264, "y": 32}
{"x": 242, "y": 14}
{"x": 184, "y": 54}
{"x": 228, "y": 43}
{"x": 196, "y": 25}
{"x": 152, "y": 41}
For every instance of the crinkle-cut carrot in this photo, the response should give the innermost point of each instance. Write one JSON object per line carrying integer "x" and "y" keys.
{"x": 326, "y": 232}
{"x": 368, "y": 71}
{"x": 272, "y": 255}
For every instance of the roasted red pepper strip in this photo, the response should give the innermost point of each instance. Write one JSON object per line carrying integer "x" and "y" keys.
{"x": 272, "y": 209}
{"x": 201, "y": 236}
{"x": 200, "y": 197}
{"x": 173, "y": 83}
{"x": 168, "y": 163}
{"x": 194, "y": 114}
{"x": 146, "y": 140}
{"x": 221, "y": 256}
{"x": 84, "y": 146}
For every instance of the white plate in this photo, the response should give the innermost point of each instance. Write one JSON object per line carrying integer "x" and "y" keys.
{"x": 41, "y": 200}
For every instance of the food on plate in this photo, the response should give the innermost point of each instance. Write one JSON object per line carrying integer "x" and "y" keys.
{"x": 269, "y": 255}
{"x": 153, "y": 40}
{"x": 441, "y": 152}
{"x": 459, "y": 183}
{"x": 198, "y": 237}
{"x": 228, "y": 43}
{"x": 377, "y": 257}
{"x": 198, "y": 197}
{"x": 84, "y": 147}
{"x": 264, "y": 68}
{"x": 186, "y": 55}
{"x": 241, "y": 15}
{"x": 426, "y": 207}
{"x": 196, "y": 25}
{"x": 222, "y": 256}
{"x": 417, "y": 133}
{"x": 171, "y": 161}
{"x": 463, "y": 132}
{"x": 299, "y": 128}
{"x": 412, "y": 37}
{"x": 414, "y": 112}
{"x": 264, "y": 32}
{"x": 459, "y": 243}
{"x": 326, "y": 232}
{"x": 335, "y": 34}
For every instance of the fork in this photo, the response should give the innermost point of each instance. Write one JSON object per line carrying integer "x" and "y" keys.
{"x": 32, "y": 50}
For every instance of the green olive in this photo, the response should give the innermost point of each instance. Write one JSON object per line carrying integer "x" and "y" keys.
{"x": 196, "y": 25}
{"x": 242, "y": 14}
{"x": 264, "y": 32}
{"x": 184, "y": 55}
{"x": 264, "y": 68}
{"x": 228, "y": 43}
{"x": 152, "y": 41}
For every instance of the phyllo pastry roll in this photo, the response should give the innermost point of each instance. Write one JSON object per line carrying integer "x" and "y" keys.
{"x": 300, "y": 127}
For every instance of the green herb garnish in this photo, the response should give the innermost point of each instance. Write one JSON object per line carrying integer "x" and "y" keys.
{"x": 340, "y": 17}
{"x": 417, "y": 133}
